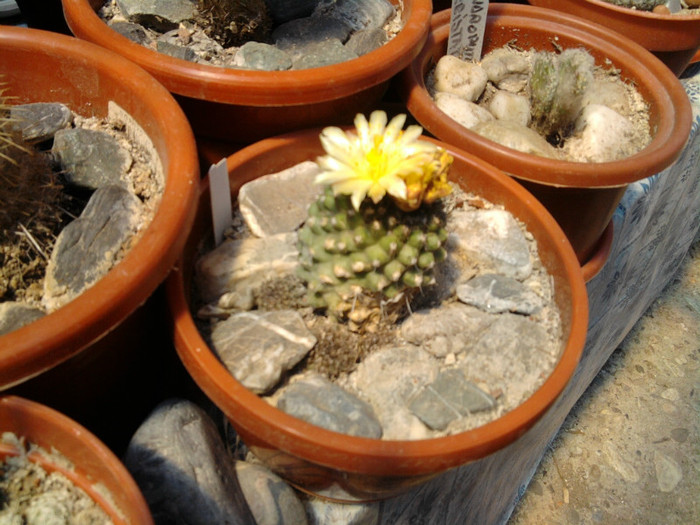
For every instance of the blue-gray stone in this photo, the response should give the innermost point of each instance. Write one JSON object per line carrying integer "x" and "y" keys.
{"x": 320, "y": 402}
{"x": 91, "y": 159}
{"x": 361, "y": 14}
{"x": 160, "y": 15}
{"x": 365, "y": 41}
{"x": 447, "y": 398}
{"x": 322, "y": 54}
{"x": 175, "y": 51}
{"x": 133, "y": 32}
{"x": 496, "y": 293}
{"x": 40, "y": 121}
{"x": 262, "y": 57}
{"x": 305, "y": 31}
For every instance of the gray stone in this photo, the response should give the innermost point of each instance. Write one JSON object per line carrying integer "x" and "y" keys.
{"x": 365, "y": 41}
{"x": 134, "y": 32}
{"x": 322, "y": 403}
{"x": 510, "y": 355}
{"x": 320, "y": 54}
{"x": 283, "y": 11}
{"x": 495, "y": 293}
{"x": 15, "y": 315}
{"x": 258, "y": 347}
{"x": 492, "y": 238}
{"x": 91, "y": 158}
{"x": 88, "y": 247}
{"x": 263, "y": 57}
{"x": 446, "y": 330}
{"x": 41, "y": 120}
{"x": 183, "y": 469}
{"x": 304, "y": 31}
{"x": 236, "y": 267}
{"x": 279, "y": 202}
{"x": 173, "y": 50}
{"x": 160, "y": 15}
{"x": 388, "y": 378}
{"x": 271, "y": 500}
{"x": 448, "y": 398}
{"x": 359, "y": 14}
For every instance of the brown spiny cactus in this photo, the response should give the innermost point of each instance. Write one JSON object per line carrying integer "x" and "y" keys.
{"x": 235, "y": 22}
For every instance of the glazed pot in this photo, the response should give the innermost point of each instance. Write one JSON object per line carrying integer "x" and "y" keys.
{"x": 66, "y": 357}
{"x": 674, "y": 39}
{"x": 581, "y": 196}
{"x": 93, "y": 467}
{"x": 242, "y": 106}
{"x": 349, "y": 468}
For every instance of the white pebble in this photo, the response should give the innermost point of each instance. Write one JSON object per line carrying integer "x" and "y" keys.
{"x": 464, "y": 112}
{"x": 509, "y": 106}
{"x": 602, "y": 135}
{"x": 464, "y": 79}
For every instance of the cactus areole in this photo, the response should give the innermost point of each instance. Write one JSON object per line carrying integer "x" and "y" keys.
{"x": 376, "y": 232}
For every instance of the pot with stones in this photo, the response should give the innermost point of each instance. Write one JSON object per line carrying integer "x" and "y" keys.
{"x": 334, "y": 309}
{"x": 581, "y": 194}
{"x": 55, "y": 471}
{"x": 96, "y": 323}
{"x": 309, "y": 78}
{"x": 672, "y": 35}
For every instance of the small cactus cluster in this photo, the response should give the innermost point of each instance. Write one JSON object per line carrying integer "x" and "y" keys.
{"x": 352, "y": 259}
{"x": 376, "y": 233}
{"x": 642, "y": 5}
{"x": 235, "y": 22}
{"x": 557, "y": 85}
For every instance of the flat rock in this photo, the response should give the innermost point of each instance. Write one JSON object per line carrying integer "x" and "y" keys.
{"x": 258, "y": 347}
{"x": 134, "y": 32}
{"x": 40, "y": 121}
{"x": 388, "y": 378}
{"x": 15, "y": 315}
{"x": 279, "y": 202}
{"x": 173, "y": 50}
{"x": 359, "y": 14}
{"x": 507, "y": 68}
{"x": 301, "y": 32}
{"x": 320, "y": 54}
{"x": 447, "y": 398}
{"x": 88, "y": 247}
{"x": 283, "y": 11}
{"x": 262, "y": 57}
{"x": 493, "y": 238}
{"x": 183, "y": 469}
{"x": 271, "y": 500}
{"x": 322, "y": 403}
{"x": 365, "y": 41}
{"x": 233, "y": 270}
{"x": 509, "y": 355}
{"x": 160, "y": 15}
{"x": 91, "y": 159}
{"x": 446, "y": 330}
{"x": 495, "y": 293}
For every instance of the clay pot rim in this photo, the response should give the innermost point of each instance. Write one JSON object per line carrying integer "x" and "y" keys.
{"x": 365, "y": 455}
{"x": 664, "y": 88}
{"x": 50, "y": 340}
{"x": 261, "y": 88}
{"x": 635, "y": 13}
{"x": 92, "y": 462}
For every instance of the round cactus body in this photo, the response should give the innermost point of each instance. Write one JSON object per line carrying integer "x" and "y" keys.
{"x": 362, "y": 265}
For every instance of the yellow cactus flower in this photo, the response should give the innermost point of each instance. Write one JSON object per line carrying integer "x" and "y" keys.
{"x": 382, "y": 159}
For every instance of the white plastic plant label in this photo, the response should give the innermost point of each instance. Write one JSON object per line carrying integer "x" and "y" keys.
{"x": 220, "y": 199}
{"x": 467, "y": 27}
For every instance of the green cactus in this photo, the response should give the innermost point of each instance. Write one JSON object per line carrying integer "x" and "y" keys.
{"x": 642, "y": 5}
{"x": 362, "y": 265}
{"x": 557, "y": 85}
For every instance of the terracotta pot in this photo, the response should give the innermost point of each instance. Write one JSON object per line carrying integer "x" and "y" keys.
{"x": 581, "y": 196}
{"x": 673, "y": 39}
{"x": 350, "y": 468}
{"x": 107, "y": 330}
{"x": 94, "y": 468}
{"x": 243, "y": 106}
